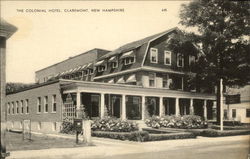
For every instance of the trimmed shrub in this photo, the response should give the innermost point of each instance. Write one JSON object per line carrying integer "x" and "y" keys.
{"x": 114, "y": 125}
{"x": 182, "y": 122}
{"x": 142, "y": 136}
{"x": 216, "y": 133}
{"x": 243, "y": 127}
{"x": 171, "y": 136}
{"x": 67, "y": 127}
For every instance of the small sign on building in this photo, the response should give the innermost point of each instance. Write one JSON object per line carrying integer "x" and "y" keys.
{"x": 232, "y": 99}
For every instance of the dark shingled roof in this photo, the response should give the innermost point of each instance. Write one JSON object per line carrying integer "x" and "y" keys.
{"x": 135, "y": 44}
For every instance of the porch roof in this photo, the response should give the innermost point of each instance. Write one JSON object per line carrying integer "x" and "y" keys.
{"x": 70, "y": 86}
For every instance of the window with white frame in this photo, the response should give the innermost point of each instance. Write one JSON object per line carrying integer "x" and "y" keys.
{"x": 165, "y": 80}
{"x": 54, "y": 103}
{"x": 129, "y": 60}
{"x": 91, "y": 71}
{"x": 39, "y": 105}
{"x": 114, "y": 64}
{"x": 153, "y": 55}
{"x": 233, "y": 113}
{"x": 27, "y": 106}
{"x": 85, "y": 72}
{"x": 46, "y": 107}
{"x": 151, "y": 80}
{"x": 21, "y": 106}
{"x": 167, "y": 57}
{"x": 17, "y": 107}
{"x": 180, "y": 60}
{"x": 191, "y": 59}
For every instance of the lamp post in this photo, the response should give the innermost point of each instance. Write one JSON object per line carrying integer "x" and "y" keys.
{"x": 6, "y": 30}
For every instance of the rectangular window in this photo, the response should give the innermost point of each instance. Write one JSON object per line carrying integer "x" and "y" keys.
{"x": 191, "y": 59}
{"x": 167, "y": 57}
{"x": 129, "y": 60}
{"x": 54, "y": 103}
{"x": 17, "y": 107}
{"x": 114, "y": 64}
{"x": 248, "y": 113}
{"x": 21, "y": 106}
{"x": 27, "y": 106}
{"x": 153, "y": 55}
{"x": 152, "y": 80}
{"x": 165, "y": 81}
{"x": 39, "y": 105}
{"x": 233, "y": 113}
{"x": 180, "y": 60}
{"x": 91, "y": 71}
{"x": 46, "y": 107}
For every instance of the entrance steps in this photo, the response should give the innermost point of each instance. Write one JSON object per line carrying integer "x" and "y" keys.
{"x": 141, "y": 124}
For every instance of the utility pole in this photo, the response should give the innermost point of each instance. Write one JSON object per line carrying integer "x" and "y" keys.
{"x": 221, "y": 104}
{"x": 6, "y": 30}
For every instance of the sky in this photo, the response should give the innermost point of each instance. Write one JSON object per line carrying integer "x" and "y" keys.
{"x": 45, "y": 38}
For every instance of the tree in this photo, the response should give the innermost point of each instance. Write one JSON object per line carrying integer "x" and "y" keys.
{"x": 223, "y": 29}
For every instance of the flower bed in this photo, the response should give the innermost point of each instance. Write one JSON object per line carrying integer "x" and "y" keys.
{"x": 184, "y": 122}
{"x": 142, "y": 136}
{"x": 113, "y": 125}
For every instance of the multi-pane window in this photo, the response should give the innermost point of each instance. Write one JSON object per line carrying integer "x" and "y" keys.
{"x": 46, "y": 107}
{"x": 152, "y": 80}
{"x": 17, "y": 107}
{"x": 39, "y": 105}
{"x": 27, "y": 106}
{"x": 21, "y": 106}
{"x": 180, "y": 60}
{"x": 233, "y": 113}
{"x": 153, "y": 55}
{"x": 129, "y": 60}
{"x": 54, "y": 103}
{"x": 167, "y": 57}
{"x": 248, "y": 113}
{"x": 91, "y": 71}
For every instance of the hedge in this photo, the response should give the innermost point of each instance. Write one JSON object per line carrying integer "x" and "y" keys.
{"x": 243, "y": 127}
{"x": 142, "y": 136}
{"x": 217, "y": 133}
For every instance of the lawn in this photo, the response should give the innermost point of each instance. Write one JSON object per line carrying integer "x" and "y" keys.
{"x": 14, "y": 142}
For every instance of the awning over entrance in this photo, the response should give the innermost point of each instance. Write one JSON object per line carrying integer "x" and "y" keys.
{"x": 113, "y": 59}
{"x": 121, "y": 80}
{"x": 99, "y": 63}
{"x": 128, "y": 54}
{"x": 131, "y": 78}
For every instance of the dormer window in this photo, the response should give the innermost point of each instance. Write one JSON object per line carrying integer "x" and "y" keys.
{"x": 91, "y": 71}
{"x": 114, "y": 62}
{"x": 128, "y": 57}
{"x": 154, "y": 55}
{"x": 101, "y": 68}
{"x": 191, "y": 59}
{"x": 180, "y": 60}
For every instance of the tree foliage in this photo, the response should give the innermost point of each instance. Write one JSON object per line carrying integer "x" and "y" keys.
{"x": 223, "y": 32}
{"x": 14, "y": 87}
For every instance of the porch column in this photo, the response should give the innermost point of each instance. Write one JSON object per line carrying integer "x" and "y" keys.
{"x": 102, "y": 105}
{"x": 177, "y": 107}
{"x": 123, "y": 107}
{"x": 191, "y": 106}
{"x": 78, "y": 102}
{"x": 161, "y": 107}
{"x": 205, "y": 109}
{"x": 143, "y": 108}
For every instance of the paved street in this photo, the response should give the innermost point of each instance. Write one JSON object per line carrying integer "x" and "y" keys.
{"x": 202, "y": 148}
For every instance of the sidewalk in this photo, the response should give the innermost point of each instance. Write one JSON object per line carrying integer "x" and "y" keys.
{"x": 110, "y": 147}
